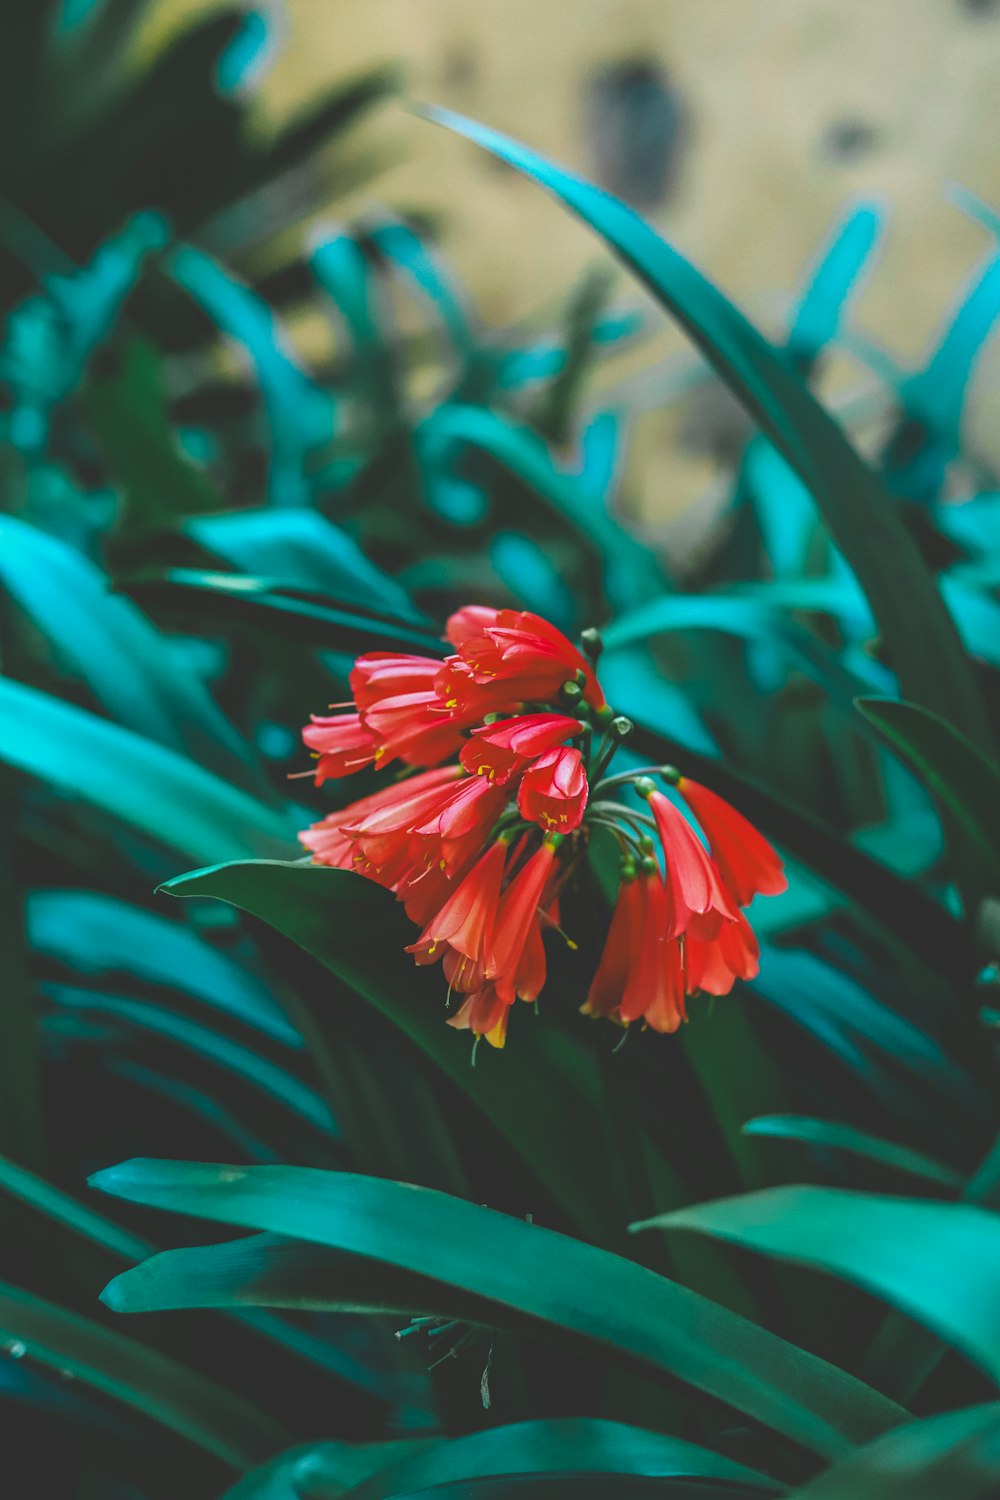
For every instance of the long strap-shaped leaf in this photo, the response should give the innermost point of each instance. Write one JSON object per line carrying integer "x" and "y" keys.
{"x": 509, "y": 1266}
{"x": 148, "y": 1382}
{"x": 953, "y": 1456}
{"x": 921, "y": 639}
{"x": 936, "y": 1262}
{"x": 556, "y": 1116}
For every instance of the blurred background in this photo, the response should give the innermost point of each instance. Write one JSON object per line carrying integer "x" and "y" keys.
{"x": 741, "y": 131}
{"x": 288, "y": 373}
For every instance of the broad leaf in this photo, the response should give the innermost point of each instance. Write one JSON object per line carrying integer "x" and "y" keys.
{"x": 554, "y": 1117}
{"x": 492, "y": 1266}
{"x": 954, "y": 1456}
{"x": 937, "y": 1262}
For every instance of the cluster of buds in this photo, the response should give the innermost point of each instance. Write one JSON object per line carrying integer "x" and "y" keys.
{"x": 502, "y": 751}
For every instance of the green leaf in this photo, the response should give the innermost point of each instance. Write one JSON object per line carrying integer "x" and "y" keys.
{"x": 920, "y": 638}
{"x": 107, "y": 642}
{"x": 127, "y": 411}
{"x": 234, "y": 599}
{"x": 560, "y": 1447}
{"x": 953, "y": 1456}
{"x": 964, "y": 781}
{"x": 749, "y": 619}
{"x": 322, "y": 1471}
{"x": 937, "y": 1262}
{"x": 166, "y": 1392}
{"x": 102, "y": 937}
{"x": 829, "y": 1135}
{"x": 492, "y": 1267}
{"x": 155, "y": 791}
{"x": 275, "y": 1083}
{"x": 554, "y": 1117}
{"x": 300, "y": 549}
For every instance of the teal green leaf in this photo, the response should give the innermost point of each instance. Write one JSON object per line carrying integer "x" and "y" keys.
{"x": 322, "y": 1471}
{"x": 830, "y": 1135}
{"x": 102, "y": 936}
{"x": 160, "y": 1389}
{"x": 155, "y": 791}
{"x": 554, "y": 1118}
{"x": 821, "y": 306}
{"x": 104, "y": 640}
{"x": 935, "y": 1261}
{"x": 229, "y": 599}
{"x": 277, "y": 1085}
{"x": 921, "y": 641}
{"x": 560, "y": 1447}
{"x": 301, "y": 549}
{"x": 508, "y": 1266}
{"x": 958, "y": 774}
{"x": 953, "y": 1456}
{"x": 127, "y": 411}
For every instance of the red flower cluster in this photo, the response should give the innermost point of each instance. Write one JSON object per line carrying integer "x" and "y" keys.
{"x": 477, "y": 849}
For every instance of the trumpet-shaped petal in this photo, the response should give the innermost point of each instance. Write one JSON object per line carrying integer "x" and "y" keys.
{"x": 343, "y": 744}
{"x": 517, "y": 916}
{"x": 699, "y": 902}
{"x": 553, "y": 790}
{"x": 464, "y": 924}
{"x": 748, "y": 864}
{"x": 607, "y": 988}
{"x": 497, "y": 751}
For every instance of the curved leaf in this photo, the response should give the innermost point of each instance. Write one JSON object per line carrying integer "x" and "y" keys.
{"x": 560, "y": 1447}
{"x": 113, "y": 648}
{"x": 954, "y": 1456}
{"x": 236, "y": 598}
{"x": 168, "y": 1393}
{"x": 558, "y": 1112}
{"x": 920, "y": 638}
{"x": 276, "y": 1083}
{"x": 829, "y": 1135}
{"x": 959, "y": 775}
{"x": 937, "y": 1262}
{"x": 157, "y": 792}
{"x": 101, "y": 935}
{"x": 510, "y": 1266}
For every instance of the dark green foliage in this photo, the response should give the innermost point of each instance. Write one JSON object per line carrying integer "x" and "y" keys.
{"x": 188, "y": 566}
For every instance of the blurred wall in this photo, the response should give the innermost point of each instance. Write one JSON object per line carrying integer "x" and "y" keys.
{"x": 756, "y": 121}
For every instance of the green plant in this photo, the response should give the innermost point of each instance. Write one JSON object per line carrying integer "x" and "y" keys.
{"x": 295, "y": 1041}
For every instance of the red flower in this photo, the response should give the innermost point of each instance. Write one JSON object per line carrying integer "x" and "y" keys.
{"x": 464, "y": 925}
{"x": 553, "y": 790}
{"x": 445, "y": 840}
{"x": 484, "y": 1014}
{"x": 458, "y": 827}
{"x": 525, "y": 651}
{"x": 654, "y": 989}
{"x": 607, "y": 988}
{"x": 467, "y": 623}
{"x": 699, "y": 902}
{"x": 389, "y": 674}
{"x": 498, "y": 750}
{"x": 385, "y": 834}
{"x": 715, "y": 966}
{"x": 512, "y": 964}
{"x": 344, "y": 745}
{"x": 747, "y": 862}
{"x": 327, "y": 839}
{"x": 413, "y": 726}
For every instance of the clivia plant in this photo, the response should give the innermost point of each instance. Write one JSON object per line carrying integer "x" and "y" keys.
{"x": 480, "y": 849}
